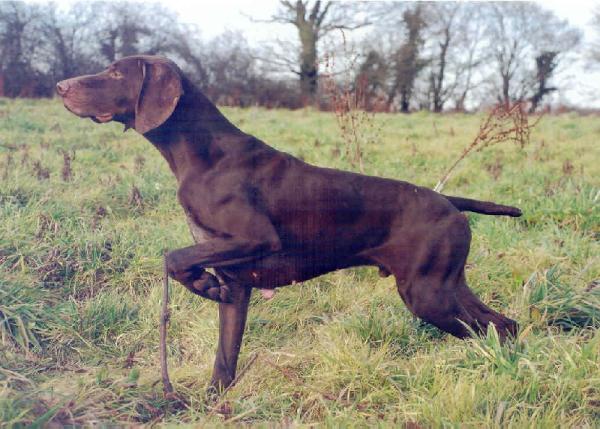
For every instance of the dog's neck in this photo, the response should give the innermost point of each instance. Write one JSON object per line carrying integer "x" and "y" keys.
{"x": 194, "y": 136}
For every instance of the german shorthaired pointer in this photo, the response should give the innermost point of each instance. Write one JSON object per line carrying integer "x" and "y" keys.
{"x": 264, "y": 219}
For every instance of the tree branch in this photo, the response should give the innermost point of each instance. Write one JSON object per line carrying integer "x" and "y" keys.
{"x": 329, "y": 28}
{"x": 321, "y": 17}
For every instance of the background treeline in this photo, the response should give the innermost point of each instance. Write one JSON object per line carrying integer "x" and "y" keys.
{"x": 399, "y": 56}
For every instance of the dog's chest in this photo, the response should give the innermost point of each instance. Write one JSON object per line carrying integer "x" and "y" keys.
{"x": 199, "y": 234}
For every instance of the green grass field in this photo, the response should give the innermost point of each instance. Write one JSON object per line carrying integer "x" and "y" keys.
{"x": 81, "y": 268}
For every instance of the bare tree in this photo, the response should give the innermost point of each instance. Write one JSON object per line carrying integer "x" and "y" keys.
{"x": 518, "y": 33}
{"x": 372, "y": 78}
{"x": 231, "y": 70}
{"x": 190, "y": 52}
{"x": 19, "y": 29}
{"x": 438, "y": 55}
{"x": 595, "y": 45}
{"x": 70, "y": 47}
{"x": 407, "y": 61}
{"x": 314, "y": 20}
{"x": 123, "y": 30}
{"x": 454, "y": 45}
{"x": 120, "y": 29}
{"x": 442, "y": 23}
{"x": 470, "y": 53}
{"x": 545, "y": 66}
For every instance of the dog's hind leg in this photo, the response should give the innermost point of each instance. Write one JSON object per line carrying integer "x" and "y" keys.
{"x": 431, "y": 281}
{"x": 482, "y": 315}
{"x": 452, "y": 307}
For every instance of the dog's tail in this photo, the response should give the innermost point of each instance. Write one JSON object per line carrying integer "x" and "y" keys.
{"x": 483, "y": 207}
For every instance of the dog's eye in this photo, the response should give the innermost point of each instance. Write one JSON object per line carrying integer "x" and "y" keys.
{"x": 115, "y": 74}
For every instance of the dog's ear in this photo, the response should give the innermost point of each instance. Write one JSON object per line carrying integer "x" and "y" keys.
{"x": 159, "y": 94}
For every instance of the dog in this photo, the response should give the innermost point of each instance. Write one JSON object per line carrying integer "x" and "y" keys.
{"x": 264, "y": 219}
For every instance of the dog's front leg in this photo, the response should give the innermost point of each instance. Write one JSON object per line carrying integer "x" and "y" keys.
{"x": 187, "y": 265}
{"x": 232, "y": 320}
{"x": 218, "y": 253}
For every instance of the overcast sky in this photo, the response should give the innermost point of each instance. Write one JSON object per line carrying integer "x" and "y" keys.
{"x": 215, "y": 16}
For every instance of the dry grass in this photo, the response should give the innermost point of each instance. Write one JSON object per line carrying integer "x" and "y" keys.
{"x": 347, "y": 100}
{"x": 503, "y": 124}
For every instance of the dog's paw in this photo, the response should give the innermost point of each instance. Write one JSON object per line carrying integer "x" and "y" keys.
{"x": 186, "y": 277}
{"x": 208, "y": 286}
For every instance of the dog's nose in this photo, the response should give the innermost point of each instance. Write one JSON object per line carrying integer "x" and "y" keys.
{"x": 62, "y": 87}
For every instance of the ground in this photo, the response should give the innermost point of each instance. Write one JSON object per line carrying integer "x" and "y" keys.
{"x": 86, "y": 211}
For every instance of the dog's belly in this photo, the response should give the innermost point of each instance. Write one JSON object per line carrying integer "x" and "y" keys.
{"x": 284, "y": 269}
{"x": 267, "y": 273}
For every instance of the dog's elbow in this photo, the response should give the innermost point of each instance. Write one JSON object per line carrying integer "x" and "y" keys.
{"x": 272, "y": 245}
{"x": 275, "y": 245}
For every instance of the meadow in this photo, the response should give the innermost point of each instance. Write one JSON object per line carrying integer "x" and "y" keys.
{"x": 86, "y": 212}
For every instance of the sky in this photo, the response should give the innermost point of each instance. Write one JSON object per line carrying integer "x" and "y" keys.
{"x": 581, "y": 86}
{"x": 215, "y": 16}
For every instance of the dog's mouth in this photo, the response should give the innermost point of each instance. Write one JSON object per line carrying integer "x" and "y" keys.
{"x": 105, "y": 117}
{"x": 76, "y": 109}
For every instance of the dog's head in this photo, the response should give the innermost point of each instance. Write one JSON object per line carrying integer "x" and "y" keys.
{"x": 141, "y": 91}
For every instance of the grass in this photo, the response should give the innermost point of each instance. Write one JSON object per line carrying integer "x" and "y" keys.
{"x": 80, "y": 285}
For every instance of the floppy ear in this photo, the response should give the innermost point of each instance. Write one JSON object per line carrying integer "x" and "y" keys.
{"x": 160, "y": 91}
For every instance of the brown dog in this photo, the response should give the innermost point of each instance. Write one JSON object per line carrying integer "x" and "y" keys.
{"x": 264, "y": 219}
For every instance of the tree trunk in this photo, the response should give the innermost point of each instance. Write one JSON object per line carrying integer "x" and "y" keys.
{"x": 438, "y": 81}
{"x": 460, "y": 102}
{"x": 308, "y": 60}
{"x": 506, "y": 90}
{"x": 404, "y": 101}
{"x": 108, "y": 47}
